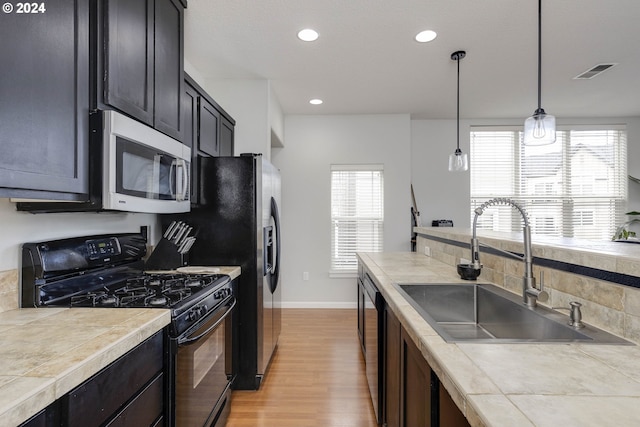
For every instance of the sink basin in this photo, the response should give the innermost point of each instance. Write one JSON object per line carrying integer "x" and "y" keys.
{"x": 464, "y": 312}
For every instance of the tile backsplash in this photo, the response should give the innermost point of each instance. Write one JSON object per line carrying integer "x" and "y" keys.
{"x": 9, "y": 285}
{"x": 612, "y": 306}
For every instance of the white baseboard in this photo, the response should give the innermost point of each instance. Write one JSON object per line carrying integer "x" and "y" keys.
{"x": 318, "y": 304}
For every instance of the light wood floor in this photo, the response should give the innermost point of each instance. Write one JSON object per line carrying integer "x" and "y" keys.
{"x": 316, "y": 378}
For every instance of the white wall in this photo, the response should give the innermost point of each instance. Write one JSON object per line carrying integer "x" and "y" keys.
{"x": 312, "y": 144}
{"x": 440, "y": 194}
{"x": 247, "y": 101}
{"x": 20, "y": 227}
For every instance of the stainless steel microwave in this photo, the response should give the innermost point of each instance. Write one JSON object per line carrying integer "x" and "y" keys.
{"x": 143, "y": 170}
{"x": 133, "y": 168}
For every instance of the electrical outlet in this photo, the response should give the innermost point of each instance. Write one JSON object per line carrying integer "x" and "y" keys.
{"x": 427, "y": 251}
{"x": 305, "y": 275}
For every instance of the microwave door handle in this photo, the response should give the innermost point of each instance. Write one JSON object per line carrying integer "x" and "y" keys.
{"x": 182, "y": 165}
{"x": 173, "y": 170}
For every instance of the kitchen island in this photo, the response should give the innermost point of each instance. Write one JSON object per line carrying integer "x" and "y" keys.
{"x": 521, "y": 384}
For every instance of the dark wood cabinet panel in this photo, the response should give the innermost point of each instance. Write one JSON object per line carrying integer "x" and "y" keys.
{"x": 226, "y": 137}
{"x": 44, "y": 91}
{"x": 134, "y": 379}
{"x": 143, "y": 61}
{"x": 392, "y": 346}
{"x": 169, "y": 65}
{"x": 208, "y": 131}
{"x": 416, "y": 386}
{"x": 128, "y": 57}
{"x": 450, "y": 414}
{"x": 414, "y": 396}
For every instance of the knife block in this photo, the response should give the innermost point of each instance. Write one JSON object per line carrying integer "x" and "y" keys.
{"x": 166, "y": 257}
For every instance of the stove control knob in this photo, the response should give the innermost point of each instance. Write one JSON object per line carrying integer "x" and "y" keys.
{"x": 193, "y": 315}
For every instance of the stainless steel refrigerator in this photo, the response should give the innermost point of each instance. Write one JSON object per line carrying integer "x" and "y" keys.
{"x": 238, "y": 224}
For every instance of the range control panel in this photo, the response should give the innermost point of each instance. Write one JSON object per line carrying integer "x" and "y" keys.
{"x": 103, "y": 248}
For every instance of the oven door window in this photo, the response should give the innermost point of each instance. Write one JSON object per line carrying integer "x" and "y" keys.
{"x": 144, "y": 172}
{"x": 201, "y": 371}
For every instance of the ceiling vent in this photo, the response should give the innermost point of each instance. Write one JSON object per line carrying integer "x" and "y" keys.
{"x": 593, "y": 71}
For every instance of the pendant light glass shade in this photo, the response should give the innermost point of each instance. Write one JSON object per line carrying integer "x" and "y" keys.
{"x": 458, "y": 162}
{"x": 540, "y": 128}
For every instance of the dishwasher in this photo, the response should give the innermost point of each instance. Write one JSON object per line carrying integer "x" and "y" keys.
{"x": 373, "y": 343}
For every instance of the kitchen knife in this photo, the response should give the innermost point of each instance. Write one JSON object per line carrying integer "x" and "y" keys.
{"x": 185, "y": 235}
{"x": 188, "y": 245}
{"x": 183, "y": 244}
{"x": 174, "y": 231}
{"x": 179, "y": 233}
{"x": 169, "y": 230}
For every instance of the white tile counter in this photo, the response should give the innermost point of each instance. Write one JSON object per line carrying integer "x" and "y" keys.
{"x": 46, "y": 352}
{"x": 543, "y": 385}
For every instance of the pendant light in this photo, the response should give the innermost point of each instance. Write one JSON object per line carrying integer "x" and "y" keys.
{"x": 458, "y": 162}
{"x": 540, "y": 128}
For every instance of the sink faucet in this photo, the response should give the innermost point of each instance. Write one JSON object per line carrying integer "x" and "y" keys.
{"x": 530, "y": 293}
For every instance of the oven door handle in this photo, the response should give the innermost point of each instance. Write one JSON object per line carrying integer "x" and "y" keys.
{"x": 188, "y": 341}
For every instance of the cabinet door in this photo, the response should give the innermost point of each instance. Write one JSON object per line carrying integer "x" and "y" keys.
{"x": 44, "y": 94}
{"x": 392, "y": 346}
{"x": 226, "y": 137}
{"x": 169, "y": 64}
{"x": 450, "y": 414}
{"x": 128, "y": 57}
{"x": 208, "y": 128}
{"x": 416, "y": 386}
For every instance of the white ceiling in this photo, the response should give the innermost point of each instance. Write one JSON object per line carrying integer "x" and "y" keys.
{"x": 367, "y": 62}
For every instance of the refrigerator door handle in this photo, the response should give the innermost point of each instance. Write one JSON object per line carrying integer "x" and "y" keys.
{"x": 276, "y": 261}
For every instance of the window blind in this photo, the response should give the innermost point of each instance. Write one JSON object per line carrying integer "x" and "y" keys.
{"x": 576, "y": 187}
{"x": 357, "y": 214}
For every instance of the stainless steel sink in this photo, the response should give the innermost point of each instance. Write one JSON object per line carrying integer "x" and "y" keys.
{"x": 484, "y": 313}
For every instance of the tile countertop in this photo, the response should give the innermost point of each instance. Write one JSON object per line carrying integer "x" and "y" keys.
{"x": 543, "y": 385}
{"x": 44, "y": 353}
{"x": 41, "y": 360}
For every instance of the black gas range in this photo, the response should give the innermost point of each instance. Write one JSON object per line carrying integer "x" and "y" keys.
{"x": 107, "y": 271}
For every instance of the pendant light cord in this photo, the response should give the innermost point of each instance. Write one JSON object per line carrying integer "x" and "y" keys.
{"x": 539, "y": 57}
{"x": 458, "y": 109}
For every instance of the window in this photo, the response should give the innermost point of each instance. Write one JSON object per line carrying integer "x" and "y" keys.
{"x": 576, "y": 187}
{"x": 357, "y": 214}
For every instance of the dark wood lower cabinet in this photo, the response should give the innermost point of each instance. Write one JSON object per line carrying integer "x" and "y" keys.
{"x": 450, "y": 415}
{"x": 129, "y": 392}
{"x": 391, "y": 376}
{"x": 414, "y": 396}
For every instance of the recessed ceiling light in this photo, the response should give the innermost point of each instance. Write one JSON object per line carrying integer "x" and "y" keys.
{"x": 426, "y": 36}
{"x": 315, "y": 101}
{"x": 308, "y": 35}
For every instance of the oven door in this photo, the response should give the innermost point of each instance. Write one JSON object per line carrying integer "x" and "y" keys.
{"x": 144, "y": 170}
{"x": 203, "y": 370}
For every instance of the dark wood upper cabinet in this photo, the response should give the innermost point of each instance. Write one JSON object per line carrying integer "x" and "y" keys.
{"x": 143, "y": 61}
{"x": 209, "y": 122}
{"x": 208, "y": 130}
{"x": 169, "y": 65}
{"x": 226, "y": 137}
{"x": 44, "y": 91}
{"x": 77, "y": 56}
